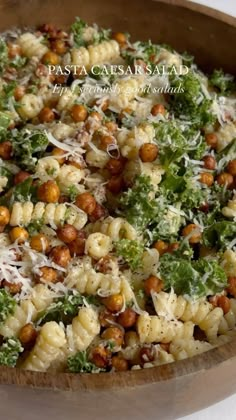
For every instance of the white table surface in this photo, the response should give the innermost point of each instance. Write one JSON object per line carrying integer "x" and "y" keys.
{"x": 226, "y": 409}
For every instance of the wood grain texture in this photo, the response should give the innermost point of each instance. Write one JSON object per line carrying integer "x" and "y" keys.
{"x": 169, "y": 391}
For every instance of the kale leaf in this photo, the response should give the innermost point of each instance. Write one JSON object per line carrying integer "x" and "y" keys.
{"x": 79, "y": 363}
{"x": 194, "y": 278}
{"x": 7, "y": 305}
{"x": 131, "y": 251}
{"x": 9, "y": 352}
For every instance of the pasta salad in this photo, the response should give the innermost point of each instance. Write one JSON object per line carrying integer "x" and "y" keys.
{"x": 117, "y": 202}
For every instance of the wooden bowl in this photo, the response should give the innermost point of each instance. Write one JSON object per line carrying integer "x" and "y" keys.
{"x": 168, "y": 391}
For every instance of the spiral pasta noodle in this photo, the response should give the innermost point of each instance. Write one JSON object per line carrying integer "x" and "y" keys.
{"x": 157, "y": 329}
{"x": 200, "y": 312}
{"x": 131, "y": 143}
{"x": 51, "y": 214}
{"x": 105, "y": 52}
{"x": 116, "y": 228}
{"x": 27, "y": 311}
{"x": 50, "y": 341}
{"x": 85, "y": 327}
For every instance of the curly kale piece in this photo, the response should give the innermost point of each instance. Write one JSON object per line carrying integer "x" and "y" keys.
{"x": 136, "y": 204}
{"x": 223, "y": 82}
{"x": 9, "y": 352}
{"x": 191, "y": 103}
{"x": 195, "y": 278}
{"x": 65, "y": 308}
{"x": 7, "y": 305}
{"x": 131, "y": 251}
{"x": 3, "y": 55}
{"x": 28, "y": 147}
{"x": 79, "y": 363}
{"x": 219, "y": 234}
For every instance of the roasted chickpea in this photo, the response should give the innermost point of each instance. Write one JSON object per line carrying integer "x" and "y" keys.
{"x": 5, "y": 150}
{"x": 48, "y": 192}
{"x": 127, "y": 318}
{"x": 77, "y": 246}
{"x": 194, "y": 233}
{"x": 47, "y": 28}
{"x": 106, "y": 141}
{"x": 59, "y": 46}
{"x": 161, "y": 247}
{"x": 206, "y": 178}
{"x": 209, "y": 162}
{"x": 67, "y": 233}
{"x": 46, "y": 115}
{"x": 111, "y": 126}
{"x": 158, "y": 109}
{"x": 51, "y": 58}
{"x": 115, "y": 184}
{"x": 104, "y": 265}
{"x": 19, "y": 92}
{"x": 232, "y": 286}
{"x": 20, "y": 177}
{"x": 114, "y": 302}
{"x": 4, "y": 216}
{"x": 224, "y": 303}
{"x": 13, "y": 50}
{"x": 119, "y": 364}
{"x": 211, "y": 140}
{"x": 148, "y": 152}
{"x": 18, "y": 234}
{"x": 153, "y": 284}
{"x": 231, "y": 167}
{"x": 98, "y": 213}
{"x": 13, "y": 288}
{"x": 119, "y": 37}
{"x": 147, "y": 354}
{"x": 79, "y": 113}
{"x": 225, "y": 179}
{"x": 28, "y": 335}
{"x": 115, "y": 166}
{"x": 172, "y": 247}
{"x": 60, "y": 255}
{"x": 40, "y": 243}
{"x": 104, "y": 104}
{"x": 114, "y": 334}
{"x": 106, "y": 318}
{"x": 100, "y": 356}
{"x": 86, "y": 202}
{"x": 47, "y": 274}
{"x": 58, "y": 154}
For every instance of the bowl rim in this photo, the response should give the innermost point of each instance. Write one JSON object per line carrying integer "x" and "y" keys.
{"x": 140, "y": 377}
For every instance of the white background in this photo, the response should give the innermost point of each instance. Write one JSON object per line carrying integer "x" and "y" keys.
{"x": 225, "y": 410}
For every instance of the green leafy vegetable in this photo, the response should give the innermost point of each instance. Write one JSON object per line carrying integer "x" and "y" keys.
{"x": 9, "y": 352}
{"x": 197, "y": 278}
{"x": 65, "y": 308}
{"x": 79, "y": 363}
{"x": 7, "y": 305}
{"x": 77, "y": 28}
{"x": 220, "y": 234}
{"x": 24, "y": 191}
{"x": 3, "y": 55}
{"x": 28, "y": 147}
{"x": 35, "y": 226}
{"x": 136, "y": 204}
{"x": 225, "y": 83}
{"x": 191, "y": 103}
{"x": 131, "y": 251}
